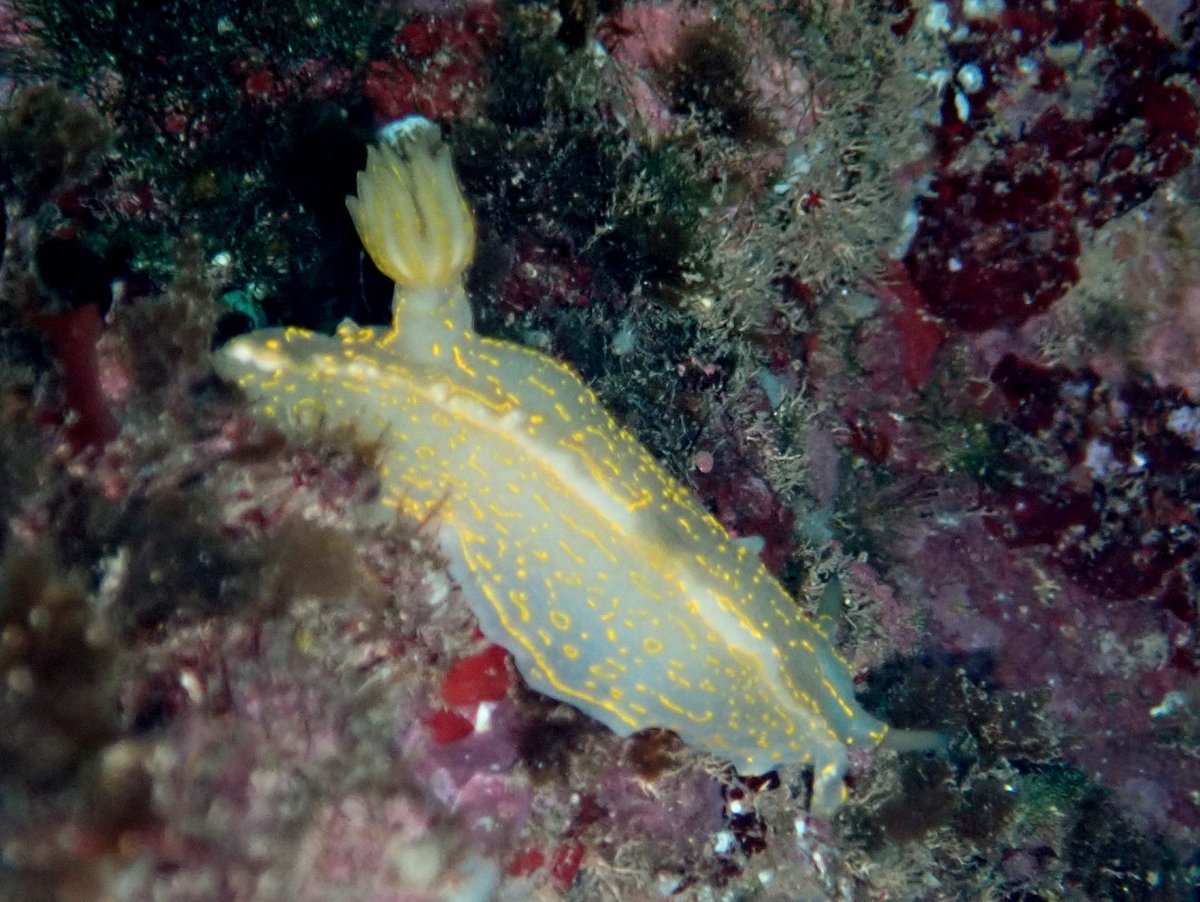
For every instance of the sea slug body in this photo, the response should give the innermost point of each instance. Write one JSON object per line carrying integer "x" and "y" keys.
{"x": 606, "y": 579}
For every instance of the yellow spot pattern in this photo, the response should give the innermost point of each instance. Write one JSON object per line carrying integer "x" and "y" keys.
{"x": 610, "y": 584}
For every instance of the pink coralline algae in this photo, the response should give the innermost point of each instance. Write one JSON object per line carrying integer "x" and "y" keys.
{"x": 435, "y": 67}
{"x": 1157, "y": 274}
{"x": 481, "y": 677}
{"x": 1173, "y": 346}
{"x": 1106, "y": 477}
{"x": 917, "y": 335}
{"x": 74, "y": 335}
{"x": 660, "y": 49}
{"x": 1043, "y": 154}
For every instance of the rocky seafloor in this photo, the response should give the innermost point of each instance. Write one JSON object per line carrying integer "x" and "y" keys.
{"x": 911, "y": 291}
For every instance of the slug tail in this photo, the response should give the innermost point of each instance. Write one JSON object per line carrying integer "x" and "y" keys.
{"x": 915, "y": 740}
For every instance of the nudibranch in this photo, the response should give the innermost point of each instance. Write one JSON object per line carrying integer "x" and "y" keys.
{"x": 605, "y": 578}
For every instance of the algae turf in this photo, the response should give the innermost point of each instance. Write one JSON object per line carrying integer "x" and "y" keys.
{"x": 224, "y": 114}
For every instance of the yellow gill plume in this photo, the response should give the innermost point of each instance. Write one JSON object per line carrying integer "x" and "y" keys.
{"x": 417, "y": 228}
